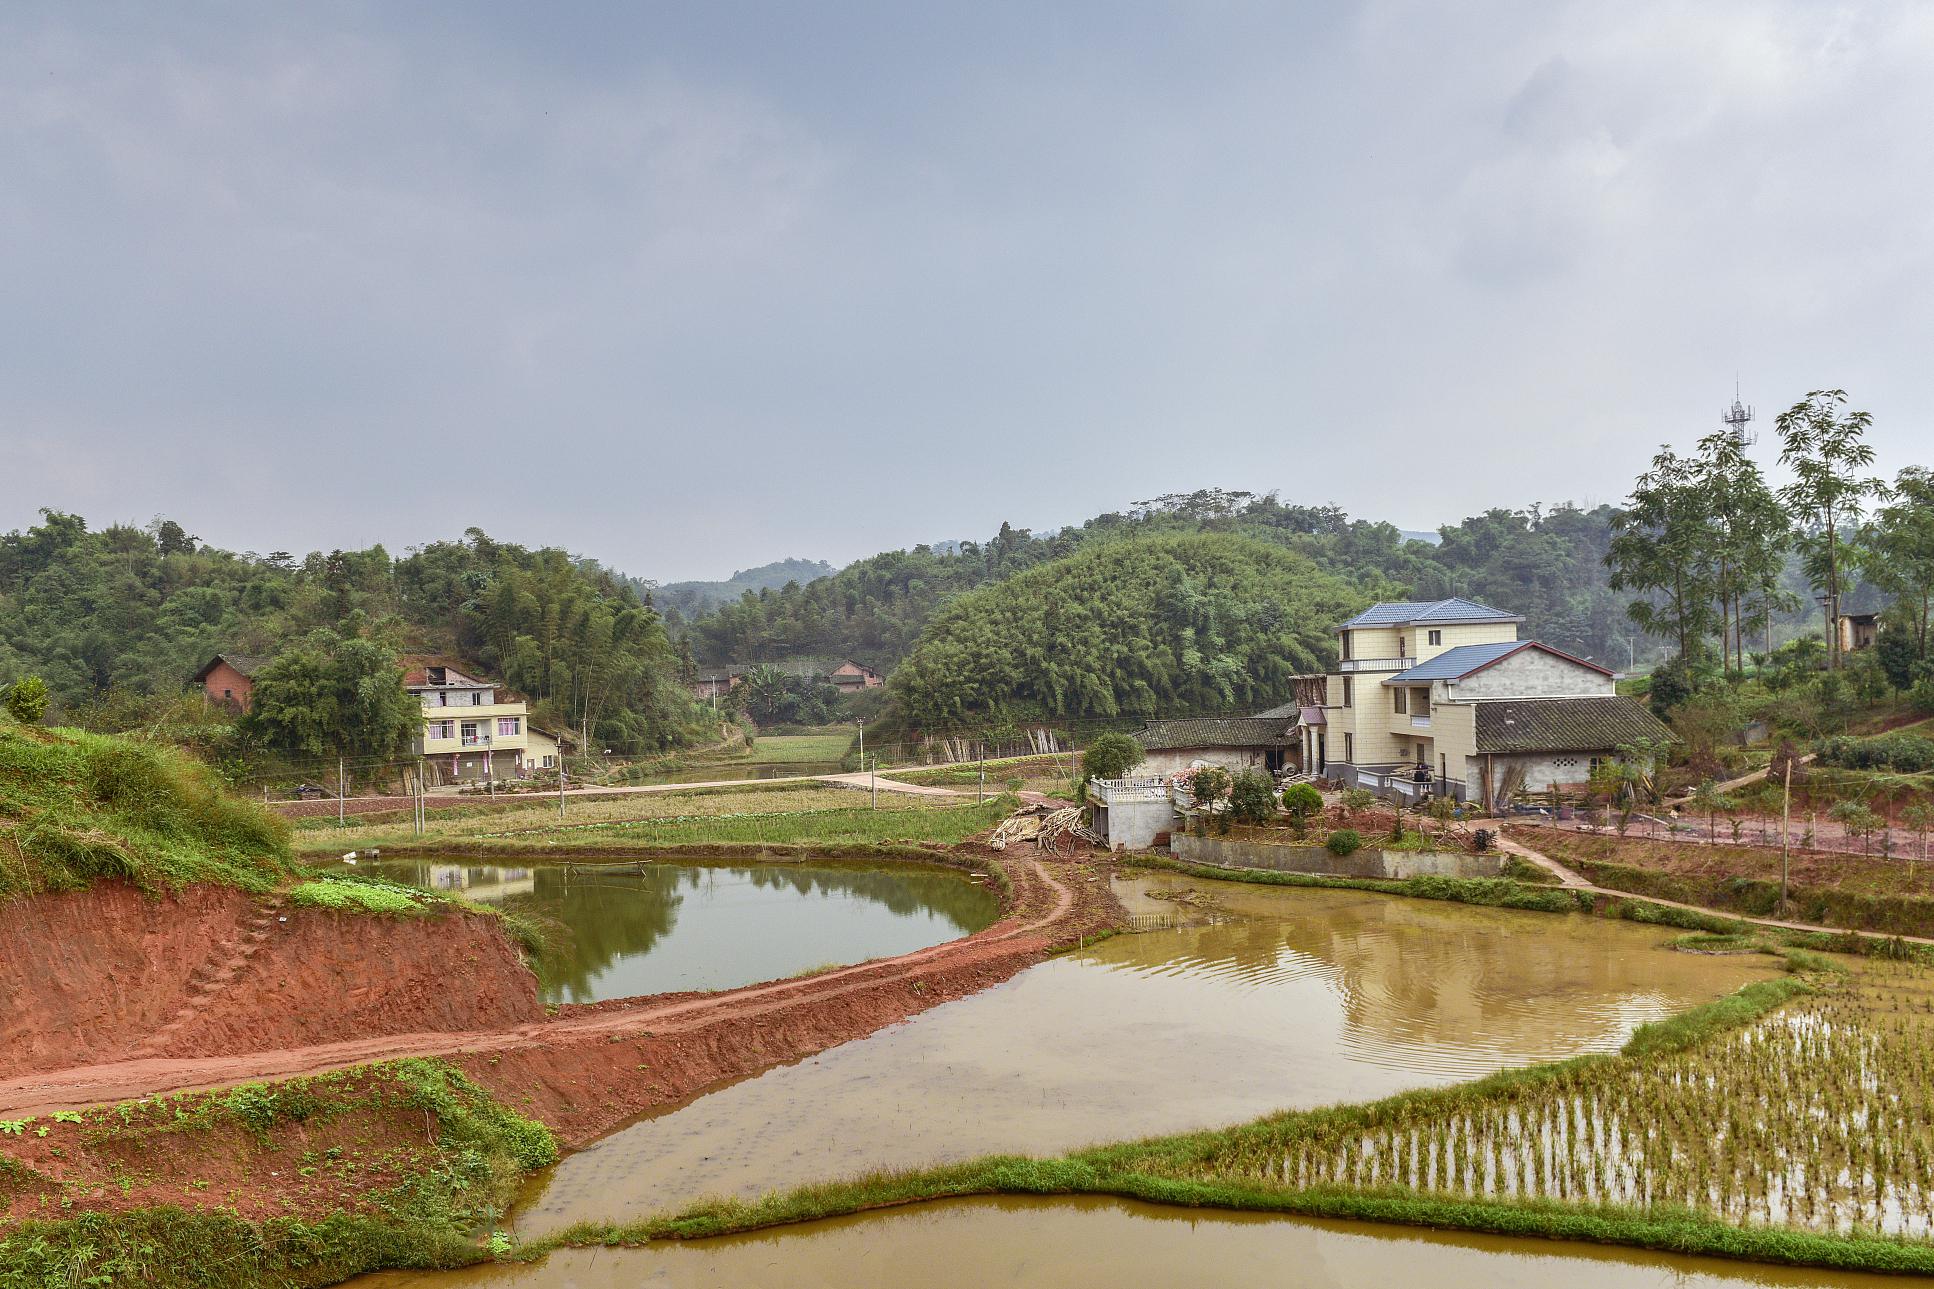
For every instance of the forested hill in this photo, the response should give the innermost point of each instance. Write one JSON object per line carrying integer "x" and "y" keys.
{"x": 130, "y": 611}
{"x": 688, "y": 599}
{"x": 1166, "y": 624}
{"x": 1545, "y": 564}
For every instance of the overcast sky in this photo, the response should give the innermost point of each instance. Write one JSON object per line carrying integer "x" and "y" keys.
{"x": 692, "y": 287}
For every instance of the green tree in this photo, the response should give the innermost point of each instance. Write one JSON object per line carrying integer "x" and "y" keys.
{"x": 1746, "y": 541}
{"x": 1857, "y": 817}
{"x": 1663, "y": 547}
{"x": 1920, "y": 817}
{"x": 335, "y": 694}
{"x": 27, "y": 700}
{"x": 1111, "y": 756}
{"x": 1252, "y": 797}
{"x": 1826, "y": 449}
{"x": 1898, "y": 558}
{"x": 1712, "y": 801}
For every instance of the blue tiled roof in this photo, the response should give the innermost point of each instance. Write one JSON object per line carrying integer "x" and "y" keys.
{"x": 1452, "y": 664}
{"x": 1399, "y": 613}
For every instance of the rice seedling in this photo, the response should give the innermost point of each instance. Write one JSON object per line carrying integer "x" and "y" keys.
{"x": 1819, "y": 1117}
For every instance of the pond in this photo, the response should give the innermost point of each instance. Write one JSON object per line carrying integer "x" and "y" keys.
{"x": 661, "y": 927}
{"x": 1014, "y": 1243}
{"x": 1274, "y": 998}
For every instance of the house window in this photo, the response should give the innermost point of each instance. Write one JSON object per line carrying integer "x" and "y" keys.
{"x": 1346, "y": 646}
{"x": 1349, "y": 749}
{"x": 470, "y": 736}
{"x": 1400, "y": 696}
{"x": 440, "y": 729}
{"x": 507, "y": 724}
{"x": 1401, "y": 651}
{"x": 476, "y": 698}
{"x": 1422, "y": 702}
{"x": 1349, "y": 693}
{"x": 1437, "y": 637}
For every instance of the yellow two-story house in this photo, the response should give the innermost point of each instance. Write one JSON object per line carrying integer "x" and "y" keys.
{"x": 473, "y": 730}
{"x": 1442, "y": 698}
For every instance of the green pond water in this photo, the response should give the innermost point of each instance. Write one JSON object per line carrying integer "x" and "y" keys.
{"x": 659, "y": 928}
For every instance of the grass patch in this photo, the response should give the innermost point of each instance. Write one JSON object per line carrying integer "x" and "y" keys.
{"x": 1491, "y": 892}
{"x": 403, "y": 1198}
{"x": 856, "y": 831}
{"x": 539, "y": 814}
{"x": 794, "y": 749}
{"x": 76, "y": 808}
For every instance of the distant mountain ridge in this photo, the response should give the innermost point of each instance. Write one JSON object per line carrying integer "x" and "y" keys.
{"x": 693, "y": 598}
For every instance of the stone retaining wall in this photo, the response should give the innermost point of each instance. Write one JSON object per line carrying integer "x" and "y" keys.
{"x": 1367, "y": 862}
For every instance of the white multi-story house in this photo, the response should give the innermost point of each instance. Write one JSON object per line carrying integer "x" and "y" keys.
{"x": 1442, "y": 697}
{"x": 472, "y": 729}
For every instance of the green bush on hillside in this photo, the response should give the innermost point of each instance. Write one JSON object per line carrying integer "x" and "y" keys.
{"x": 1903, "y": 753}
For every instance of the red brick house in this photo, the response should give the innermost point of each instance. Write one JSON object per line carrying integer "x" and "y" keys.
{"x": 228, "y": 679}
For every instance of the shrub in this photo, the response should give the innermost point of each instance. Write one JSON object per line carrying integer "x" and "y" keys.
{"x": 1210, "y": 784}
{"x": 1344, "y": 841}
{"x": 26, "y": 700}
{"x": 1903, "y": 753}
{"x": 1111, "y": 756}
{"x": 1303, "y": 802}
{"x": 1252, "y": 797}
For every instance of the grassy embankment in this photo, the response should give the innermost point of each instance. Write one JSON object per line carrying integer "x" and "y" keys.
{"x": 1718, "y": 1132}
{"x": 1890, "y": 897}
{"x": 77, "y": 808}
{"x": 304, "y": 1182}
{"x": 753, "y": 817}
{"x": 1044, "y": 774}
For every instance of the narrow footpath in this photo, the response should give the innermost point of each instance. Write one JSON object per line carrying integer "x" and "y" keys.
{"x": 1572, "y": 880}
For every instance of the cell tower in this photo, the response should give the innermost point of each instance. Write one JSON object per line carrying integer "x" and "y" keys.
{"x": 1738, "y": 418}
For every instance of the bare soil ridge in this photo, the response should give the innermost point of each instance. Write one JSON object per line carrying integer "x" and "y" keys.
{"x": 588, "y": 1069}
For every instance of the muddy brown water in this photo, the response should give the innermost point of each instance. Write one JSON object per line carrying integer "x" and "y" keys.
{"x": 1290, "y": 998}
{"x": 660, "y": 928}
{"x": 1011, "y": 1243}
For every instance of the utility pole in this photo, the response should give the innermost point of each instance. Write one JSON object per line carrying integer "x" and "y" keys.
{"x": 1786, "y": 830}
{"x": 873, "y": 781}
{"x": 862, "y": 725}
{"x": 560, "y": 782}
{"x": 342, "y": 793}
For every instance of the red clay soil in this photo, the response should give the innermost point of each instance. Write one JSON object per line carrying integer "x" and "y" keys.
{"x": 110, "y": 972}
{"x": 327, "y": 1163}
{"x": 587, "y": 1070}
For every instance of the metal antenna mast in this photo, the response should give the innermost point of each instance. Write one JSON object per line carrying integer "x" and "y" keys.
{"x": 1739, "y": 417}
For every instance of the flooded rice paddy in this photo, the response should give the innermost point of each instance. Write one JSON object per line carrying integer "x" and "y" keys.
{"x": 1265, "y": 999}
{"x": 1012, "y": 1243}
{"x": 660, "y": 928}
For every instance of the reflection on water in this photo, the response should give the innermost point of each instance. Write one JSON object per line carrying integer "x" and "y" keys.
{"x": 1300, "y": 998}
{"x": 1105, "y": 1244}
{"x": 664, "y": 927}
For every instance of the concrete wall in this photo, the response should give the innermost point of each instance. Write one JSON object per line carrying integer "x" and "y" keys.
{"x": 1368, "y": 862}
{"x": 1134, "y": 824}
{"x": 1543, "y": 770}
{"x": 1533, "y": 674}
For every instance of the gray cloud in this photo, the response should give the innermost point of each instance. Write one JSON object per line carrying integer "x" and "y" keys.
{"x": 689, "y": 291}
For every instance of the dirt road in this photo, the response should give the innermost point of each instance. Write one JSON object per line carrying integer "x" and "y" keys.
{"x": 582, "y": 1071}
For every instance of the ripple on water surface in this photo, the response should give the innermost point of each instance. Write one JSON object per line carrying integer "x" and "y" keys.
{"x": 1105, "y": 1244}
{"x": 1298, "y": 998}
{"x": 659, "y": 928}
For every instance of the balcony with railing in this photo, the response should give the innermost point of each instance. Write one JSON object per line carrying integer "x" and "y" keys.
{"x": 1349, "y": 665}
